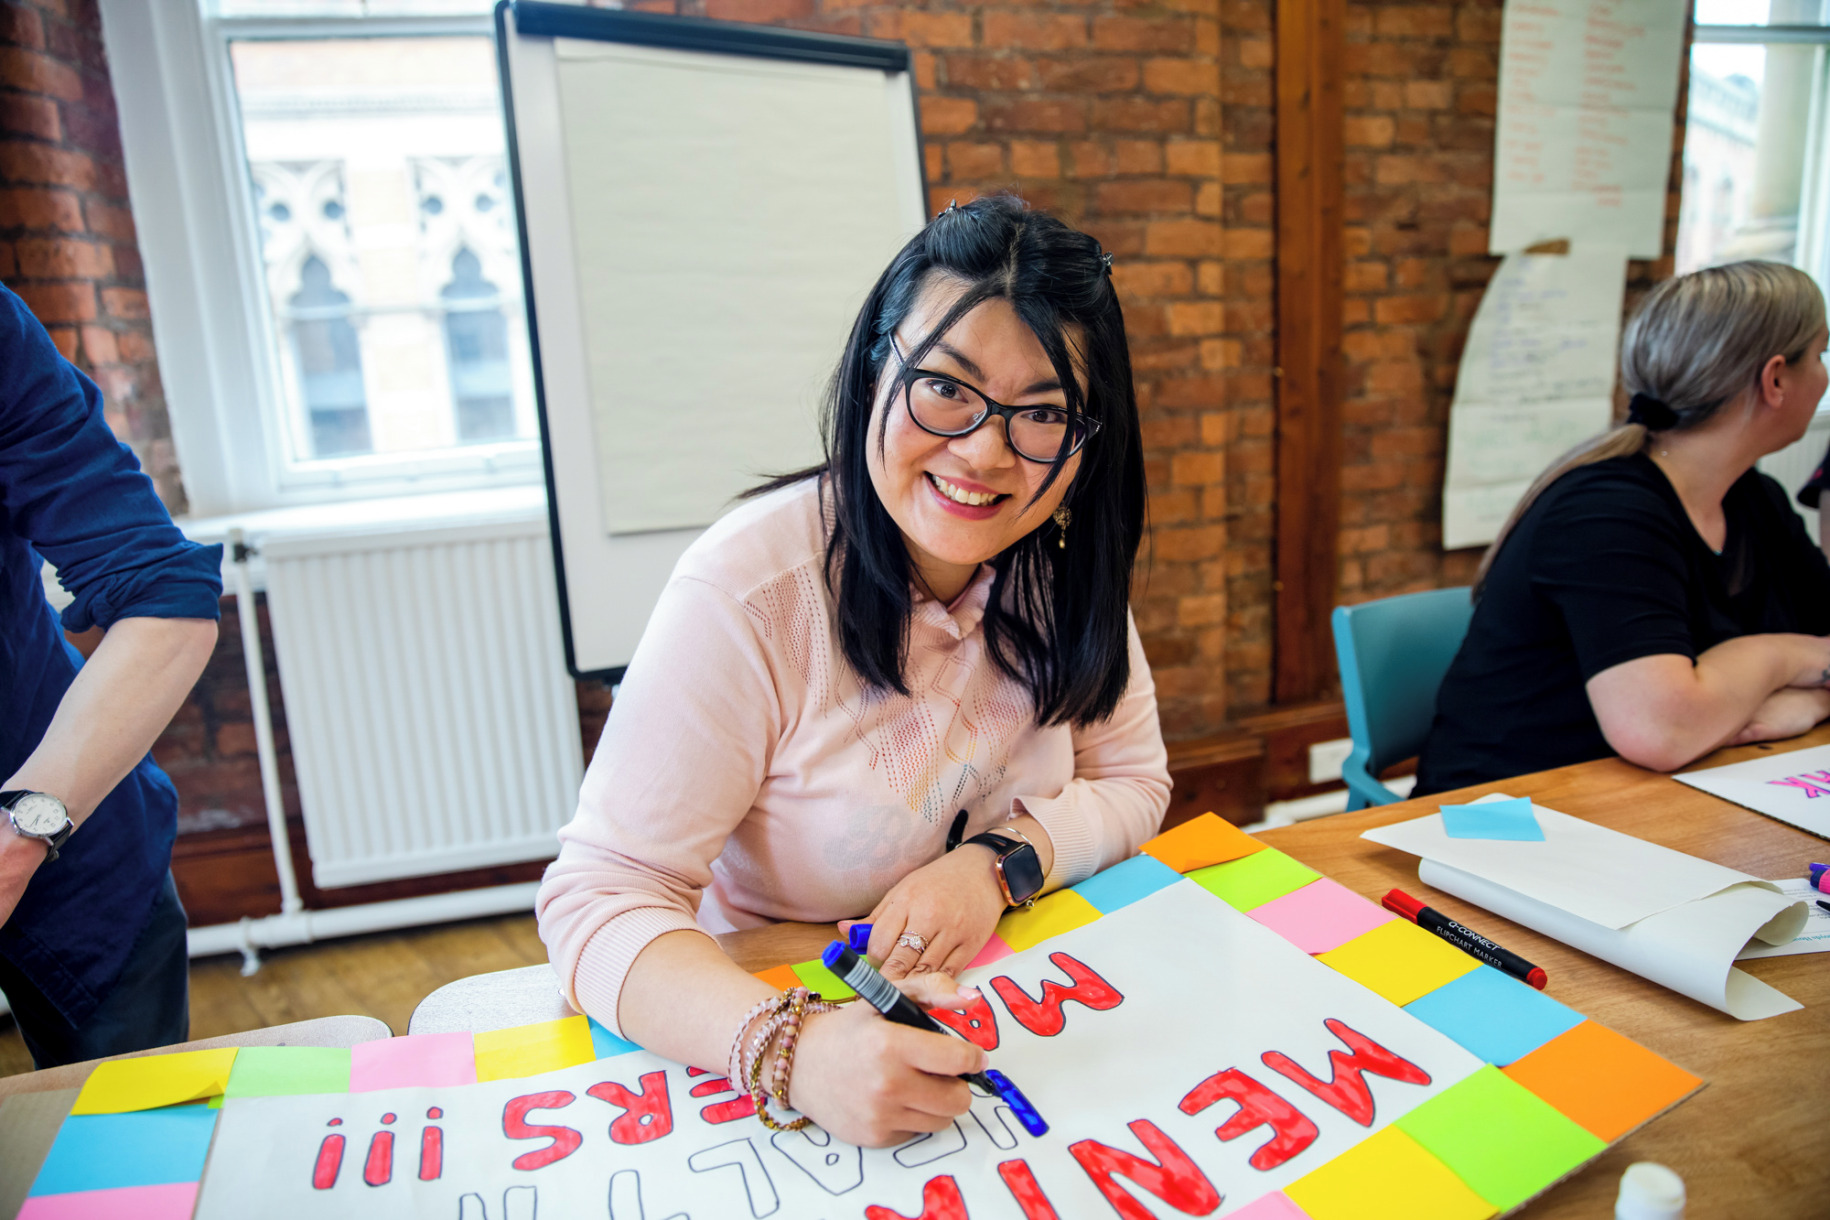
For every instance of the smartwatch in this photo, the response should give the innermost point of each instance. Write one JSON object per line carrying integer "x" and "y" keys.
{"x": 38, "y": 815}
{"x": 1018, "y": 867}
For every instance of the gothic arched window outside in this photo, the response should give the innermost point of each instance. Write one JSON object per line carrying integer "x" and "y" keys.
{"x": 476, "y": 347}
{"x": 330, "y": 365}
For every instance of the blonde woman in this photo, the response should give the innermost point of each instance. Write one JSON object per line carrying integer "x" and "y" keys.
{"x": 1653, "y": 596}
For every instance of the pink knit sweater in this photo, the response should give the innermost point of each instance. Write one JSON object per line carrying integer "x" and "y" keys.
{"x": 746, "y": 775}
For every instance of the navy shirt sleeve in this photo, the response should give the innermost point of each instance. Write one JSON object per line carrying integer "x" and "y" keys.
{"x": 1613, "y": 565}
{"x": 79, "y": 496}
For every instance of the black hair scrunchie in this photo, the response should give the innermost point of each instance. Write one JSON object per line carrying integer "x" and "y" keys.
{"x": 1651, "y": 414}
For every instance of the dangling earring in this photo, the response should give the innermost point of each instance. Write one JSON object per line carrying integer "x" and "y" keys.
{"x": 1061, "y": 518}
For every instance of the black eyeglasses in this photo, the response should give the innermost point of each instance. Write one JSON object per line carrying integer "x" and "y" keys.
{"x": 947, "y": 406}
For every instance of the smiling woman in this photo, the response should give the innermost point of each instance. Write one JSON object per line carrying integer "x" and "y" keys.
{"x": 924, "y": 643}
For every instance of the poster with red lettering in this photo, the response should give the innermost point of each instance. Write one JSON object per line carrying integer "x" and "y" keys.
{"x": 1189, "y": 1059}
{"x": 1793, "y": 787}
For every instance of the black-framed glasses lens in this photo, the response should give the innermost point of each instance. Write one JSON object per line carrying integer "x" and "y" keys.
{"x": 951, "y": 409}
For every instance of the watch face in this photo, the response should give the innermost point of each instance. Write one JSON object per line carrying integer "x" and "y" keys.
{"x": 1023, "y": 873}
{"x": 39, "y": 814}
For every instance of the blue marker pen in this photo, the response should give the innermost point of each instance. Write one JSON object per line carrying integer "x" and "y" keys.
{"x": 883, "y": 995}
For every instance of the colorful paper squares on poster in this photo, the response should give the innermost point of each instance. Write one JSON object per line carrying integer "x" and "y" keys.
{"x": 1499, "y": 1137}
{"x": 107, "y": 1151}
{"x": 1605, "y": 1082}
{"x": 415, "y": 1061}
{"x": 1387, "y": 1176}
{"x": 1511, "y": 819}
{"x": 528, "y": 1050}
{"x": 815, "y": 977}
{"x": 605, "y": 1044}
{"x": 995, "y": 950}
{"x": 1274, "y": 1206}
{"x": 1323, "y": 915}
{"x": 170, "y": 1201}
{"x": 1399, "y": 961}
{"x": 122, "y": 1085}
{"x": 782, "y": 978}
{"x": 1062, "y": 911}
{"x": 285, "y": 1071}
{"x": 1254, "y": 880}
{"x": 1126, "y": 882}
{"x": 1494, "y": 1015}
{"x": 1207, "y": 840}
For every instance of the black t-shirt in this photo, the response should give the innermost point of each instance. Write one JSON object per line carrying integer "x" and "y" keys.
{"x": 1808, "y": 494}
{"x": 1605, "y": 568}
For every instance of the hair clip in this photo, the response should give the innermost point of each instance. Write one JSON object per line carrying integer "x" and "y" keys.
{"x": 952, "y": 206}
{"x": 1107, "y": 260}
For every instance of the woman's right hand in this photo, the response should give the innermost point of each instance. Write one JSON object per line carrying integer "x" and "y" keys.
{"x": 872, "y": 1082}
{"x": 1785, "y": 713}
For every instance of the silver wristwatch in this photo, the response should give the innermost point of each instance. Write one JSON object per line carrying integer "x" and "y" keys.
{"x": 38, "y": 815}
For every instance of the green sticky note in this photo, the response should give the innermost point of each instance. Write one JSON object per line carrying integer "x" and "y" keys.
{"x": 1254, "y": 880}
{"x": 816, "y": 978}
{"x": 282, "y": 1071}
{"x": 1499, "y": 1137}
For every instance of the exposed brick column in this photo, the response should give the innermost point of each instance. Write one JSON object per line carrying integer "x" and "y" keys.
{"x": 66, "y": 237}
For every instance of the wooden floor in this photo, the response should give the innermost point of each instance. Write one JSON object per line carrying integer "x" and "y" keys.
{"x": 384, "y": 976}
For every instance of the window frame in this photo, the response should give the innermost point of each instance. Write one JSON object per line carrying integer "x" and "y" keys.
{"x": 199, "y": 239}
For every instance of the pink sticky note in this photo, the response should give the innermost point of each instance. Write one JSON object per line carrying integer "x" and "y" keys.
{"x": 1274, "y": 1206}
{"x": 994, "y": 949}
{"x": 416, "y": 1061}
{"x": 1323, "y": 915}
{"x": 171, "y": 1201}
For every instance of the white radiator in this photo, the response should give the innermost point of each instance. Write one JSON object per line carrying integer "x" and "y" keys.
{"x": 432, "y": 722}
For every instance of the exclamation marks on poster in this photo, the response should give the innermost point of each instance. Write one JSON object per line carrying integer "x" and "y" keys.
{"x": 432, "y": 1149}
{"x": 378, "y": 1170}
{"x": 330, "y": 1159}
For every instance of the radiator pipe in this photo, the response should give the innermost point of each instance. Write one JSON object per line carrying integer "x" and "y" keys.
{"x": 255, "y": 660}
{"x": 250, "y": 936}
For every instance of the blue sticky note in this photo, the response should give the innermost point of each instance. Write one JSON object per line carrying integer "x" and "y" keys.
{"x": 605, "y": 1044}
{"x": 1511, "y": 819}
{"x": 1494, "y": 1015}
{"x": 146, "y": 1148}
{"x": 1124, "y": 883}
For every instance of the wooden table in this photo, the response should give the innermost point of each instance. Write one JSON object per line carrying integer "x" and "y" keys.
{"x": 33, "y": 1104}
{"x": 1754, "y": 1143}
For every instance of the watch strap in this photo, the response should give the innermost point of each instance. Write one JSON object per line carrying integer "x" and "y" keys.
{"x": 1008, "y": 842}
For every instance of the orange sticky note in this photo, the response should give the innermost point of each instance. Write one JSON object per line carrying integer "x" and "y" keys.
{"x": 782, "y": 978}
{"x": 1199, "y": 842}
{"x": 1607, "y": 1083}
{"x": 1387, "y": 1176}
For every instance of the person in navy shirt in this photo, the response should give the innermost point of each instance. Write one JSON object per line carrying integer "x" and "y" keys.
{"x": 92, "y": 937}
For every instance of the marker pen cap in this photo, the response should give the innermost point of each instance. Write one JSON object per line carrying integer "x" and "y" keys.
{"x": 859, "y": 937}
{"x": 1649, "y": 1191}
{"x": 1400, "y": 903}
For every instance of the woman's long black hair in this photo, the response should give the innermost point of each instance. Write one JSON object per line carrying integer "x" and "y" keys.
{"x": 1056, "y": 618}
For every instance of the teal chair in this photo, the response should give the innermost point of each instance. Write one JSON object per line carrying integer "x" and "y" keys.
{"x": 1393, "y": 654}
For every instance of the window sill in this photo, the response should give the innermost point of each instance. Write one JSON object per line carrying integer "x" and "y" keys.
{"x": 352, "y": 519}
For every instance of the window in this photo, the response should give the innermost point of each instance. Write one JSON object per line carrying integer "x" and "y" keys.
{"x": 322, "y": 194}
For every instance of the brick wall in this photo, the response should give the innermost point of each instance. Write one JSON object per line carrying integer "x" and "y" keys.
{"x": 66, "y": 236}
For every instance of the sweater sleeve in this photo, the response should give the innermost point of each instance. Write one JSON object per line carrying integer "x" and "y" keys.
{"x": 679, "y": 764}
{"x": 1120, "y": 788}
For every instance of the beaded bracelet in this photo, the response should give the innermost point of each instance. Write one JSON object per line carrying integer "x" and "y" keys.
{"x": 791, "y": 1036}
{"x": 734, "y": 1060}
{"x": 785, "y": 1021}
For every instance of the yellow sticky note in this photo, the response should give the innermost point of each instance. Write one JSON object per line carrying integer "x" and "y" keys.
{"x": 1399, "y": 961}
{"x": 528, "y": 1050}
{"x": 1387, "y": 1176}
{"x": 1062, "y": 911}
{"x": 151, "y": 1081}
{"x": 1201, "y": 842}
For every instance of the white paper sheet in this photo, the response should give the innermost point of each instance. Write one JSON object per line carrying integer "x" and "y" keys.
{"x": 1792, "y": 787}
{"x": 1582, "y": 141}
{"x": 1536, "y": 378}
{"x": 1596, "y": 874}
{"x": 1205, "y": 988}
{"x": 1689, "y": 948}
{"x": 1816, "y": 936}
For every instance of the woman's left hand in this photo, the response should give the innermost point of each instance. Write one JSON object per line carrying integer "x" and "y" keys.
{"x": 952, "y": 904}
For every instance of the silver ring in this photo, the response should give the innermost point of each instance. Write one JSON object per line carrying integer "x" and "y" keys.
{"x": 913, "y": 940}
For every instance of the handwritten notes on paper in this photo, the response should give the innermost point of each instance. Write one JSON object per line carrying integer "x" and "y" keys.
{"x": 1583, "y": 140}
{"x": 1537, "y": 377}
